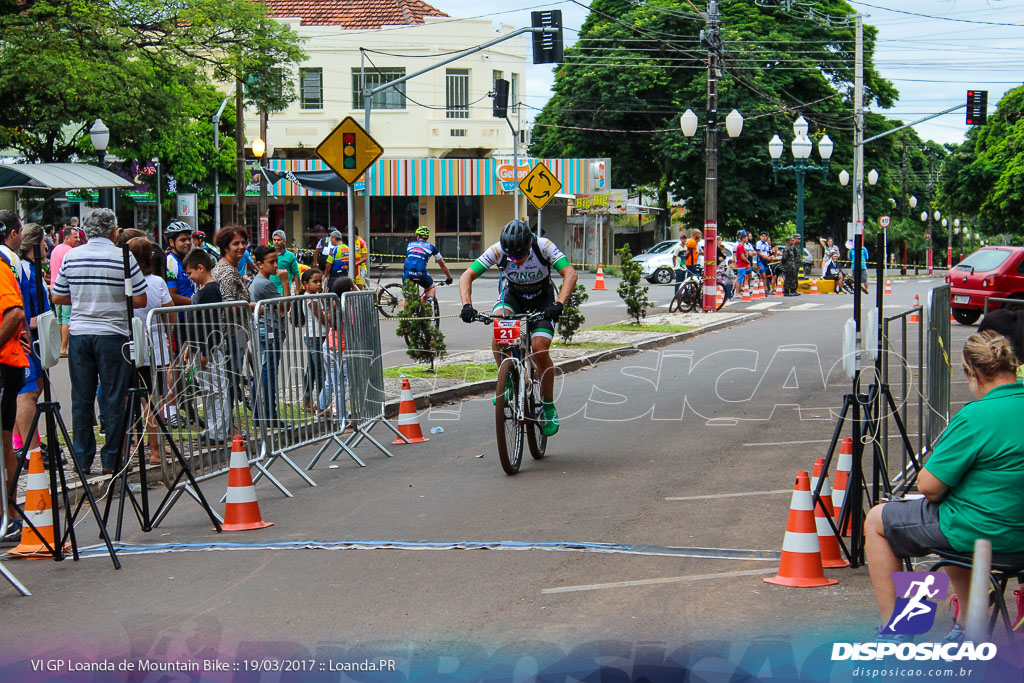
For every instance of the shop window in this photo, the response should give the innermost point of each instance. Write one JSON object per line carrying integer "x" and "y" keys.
{"x": 311, "y": 88}
{"x": 392, "y": 98}
{"x": 457, "y": 230}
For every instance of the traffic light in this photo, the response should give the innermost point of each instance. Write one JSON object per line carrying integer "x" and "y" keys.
{"x": 500, "y": 107}
{"x": 547, "y": 47}
{"x": 348, "y": 151}
{"x": 977, "y": 107}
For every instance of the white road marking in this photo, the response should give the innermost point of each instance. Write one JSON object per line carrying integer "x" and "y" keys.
{"x": 805, "y": 307}
{"x": 763, "y": 305}
{"x": 794, "y": 443}
{"x": 655, "y": 582}
{"x": 599, "y": 303}
{"x": 729, "y": 495}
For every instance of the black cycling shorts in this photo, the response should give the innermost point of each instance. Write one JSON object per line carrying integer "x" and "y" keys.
{"x": 521, "y": 304}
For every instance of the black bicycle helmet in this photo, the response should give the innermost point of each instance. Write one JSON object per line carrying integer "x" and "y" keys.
{"x": 177, "y": 227}
{"x": 516, "y": 239}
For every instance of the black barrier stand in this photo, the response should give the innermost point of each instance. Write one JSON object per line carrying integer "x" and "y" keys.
{"x": 136, "y": 423}
{"x": 50, "y": 410}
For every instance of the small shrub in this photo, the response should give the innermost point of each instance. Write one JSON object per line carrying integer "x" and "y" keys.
{"x": 415, "y": 323}
{"x": 630, "y": 290}
{"x": 572, "y": 319}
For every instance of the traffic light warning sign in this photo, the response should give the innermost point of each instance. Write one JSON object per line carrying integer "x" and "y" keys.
{"x": 349, "y": 150}
{"x": 540, "y": 185}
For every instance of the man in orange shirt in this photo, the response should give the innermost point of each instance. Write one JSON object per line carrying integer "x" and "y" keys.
{"x": 13, "y": 362}
{"x": 693, "y": 253}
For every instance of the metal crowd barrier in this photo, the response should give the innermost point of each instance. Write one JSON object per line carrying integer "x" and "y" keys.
{"x": 201, "y": 369}
{"x": 1012, "y": 304}
{"x": 939, "y": 362}
{"x": 906, "y": 341}
{"x": 300, "y": 395}
{"x": 365, "y": 367}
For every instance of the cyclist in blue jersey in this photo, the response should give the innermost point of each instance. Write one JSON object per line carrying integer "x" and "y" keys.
{"x": 526, "y": 262}
{"x": 179, "y": 239}
{"x": 417, "y": 253}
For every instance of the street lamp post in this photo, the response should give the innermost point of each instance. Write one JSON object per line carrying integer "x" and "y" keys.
{"x": 949, "y": 246}
{"x": 801, "y": 147}
{"x": 733, "y": 126}
{"x": 159, "y": 206}
{"x": 100, "y": 136}
{"x": 261, "y": 151}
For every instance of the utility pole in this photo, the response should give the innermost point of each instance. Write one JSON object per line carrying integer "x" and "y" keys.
{"x": 239, "y": 154}
{"x": 903, "y": 172}
{"x": 713, "y": 41}
{"x": 931, "y": 193}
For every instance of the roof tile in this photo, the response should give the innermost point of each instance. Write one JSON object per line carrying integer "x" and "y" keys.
{"x": 353, "y": 14}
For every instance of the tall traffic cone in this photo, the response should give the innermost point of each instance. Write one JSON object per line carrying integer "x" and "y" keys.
{"x": 408, "y": 423}
{"x": 843, "y": 468}
{"x": 599, "y": 282}
{"x": 801, "y": 556}
{"x": 779, "y": 291}
{"x": 719, "y": 296}
{"x": 760, "y": 289}
{"x": 914, "y": 317}
{"x": 38, "y": 510}
{"x": 242, "y": 512}
{"x": 814, "y": 286}
{"x": 831, "y": 554}
{"x": 888, "y": 287}
{"x": 746, "y": 292}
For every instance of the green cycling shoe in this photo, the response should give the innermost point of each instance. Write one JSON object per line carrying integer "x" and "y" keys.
{"x": 508, "y": 392}
{"x": 549, "y": 419}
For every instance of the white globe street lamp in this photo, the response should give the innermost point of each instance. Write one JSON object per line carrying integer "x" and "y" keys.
{"x": 688, "y": 123}
{"x": 733, "y": 124}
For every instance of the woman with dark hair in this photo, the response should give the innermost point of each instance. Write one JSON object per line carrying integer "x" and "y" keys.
{"x": 971, "y": 483}
{"x": 231, "y": 240}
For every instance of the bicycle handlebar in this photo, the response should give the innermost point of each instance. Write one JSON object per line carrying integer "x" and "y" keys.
{"x": 528, "y": 317}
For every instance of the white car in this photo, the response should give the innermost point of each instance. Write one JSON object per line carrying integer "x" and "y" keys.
{"x": 657, "y": 261}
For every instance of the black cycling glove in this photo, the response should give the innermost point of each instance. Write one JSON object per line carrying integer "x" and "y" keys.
{"x": 468, "y": 313}
{"x": 448, "y": 281}
{"x": 554, "y": 312}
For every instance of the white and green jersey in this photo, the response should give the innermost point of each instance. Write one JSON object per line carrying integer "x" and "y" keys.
{"x": 535, "y": 271}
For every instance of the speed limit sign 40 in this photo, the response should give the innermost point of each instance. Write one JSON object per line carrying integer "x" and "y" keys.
{"x": 883, "y": 222}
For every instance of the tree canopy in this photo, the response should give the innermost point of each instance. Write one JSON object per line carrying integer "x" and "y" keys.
{"x": 637, "y": 67}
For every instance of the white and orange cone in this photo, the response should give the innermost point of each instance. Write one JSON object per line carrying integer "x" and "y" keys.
{"x": 779, "y": 291}
{"x": 814, "y": 286}
{"x": 408, "y": 423}
{"x": 38, "y": 510}
{"x": 719, "y": 296}
{"x": 831, "y": 553}
{"x": 599, "y": 282}
{"x": 843, "y": 467}
{"x": 242, "y": 512}
{"x": 888, "y": 287}
{"x": 801, "y": 555}
{"x": 760, "y": 288}
{"x": 746, "y": 292}
{"x": 914, "y": 317}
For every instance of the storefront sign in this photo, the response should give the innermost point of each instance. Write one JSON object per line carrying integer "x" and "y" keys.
{"x": 505, "y": 173}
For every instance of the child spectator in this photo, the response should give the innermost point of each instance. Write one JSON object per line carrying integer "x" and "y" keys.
{"x": 336, "y": 374}
{"x": 206, "y": 339}
{"x": 314, "y": 332}
{"x": 149, "y": 257}
{"x": 271, "y": 329}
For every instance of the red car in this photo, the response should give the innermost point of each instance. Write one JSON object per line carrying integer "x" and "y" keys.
{"x": 989, "y": 272}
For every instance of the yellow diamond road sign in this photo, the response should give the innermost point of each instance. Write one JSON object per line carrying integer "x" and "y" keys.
{"x": 349, "y": 150}
{"x": 540, "y": 185}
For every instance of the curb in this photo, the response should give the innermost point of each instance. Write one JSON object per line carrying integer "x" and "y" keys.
{"x": 451, "y": 394}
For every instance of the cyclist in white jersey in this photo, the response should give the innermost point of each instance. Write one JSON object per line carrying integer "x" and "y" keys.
{"x": 526, "y": 263}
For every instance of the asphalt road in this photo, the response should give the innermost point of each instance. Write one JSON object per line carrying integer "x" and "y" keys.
{"x": 691, "y": 446}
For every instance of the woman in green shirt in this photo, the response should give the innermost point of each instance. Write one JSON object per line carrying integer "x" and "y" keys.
{"x": 971, "y": 482}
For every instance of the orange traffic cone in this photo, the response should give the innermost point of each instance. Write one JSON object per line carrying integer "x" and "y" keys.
{"x": 408, "y": 424}
{"x": 914, "y": 317}
{"x": 843, "y": 468}
{"x": 759, "y": 294}
{"x": 599, "y": 282}
{"x": 831, "y": 554}
{"x": 746, "y": 292}
{"x": 38, "y": 510}
{"x": 814, "y": 286}
{"x": 719, "y": 296}
{"x": 779, "y": 291}
{"x": 242, "y": 512}
{"x": 801, "y": 556}
{"x": 888, "y": 287}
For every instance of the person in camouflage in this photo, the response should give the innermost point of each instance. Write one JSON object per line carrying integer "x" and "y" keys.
{"x": 790, "y": 266}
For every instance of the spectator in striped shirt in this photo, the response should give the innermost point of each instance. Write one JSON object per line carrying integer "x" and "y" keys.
{"x": 91, "y": 280}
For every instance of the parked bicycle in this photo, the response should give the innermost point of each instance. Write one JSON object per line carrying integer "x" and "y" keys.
{"x": 689, "y": 296}
{"x": 518, "y": 400}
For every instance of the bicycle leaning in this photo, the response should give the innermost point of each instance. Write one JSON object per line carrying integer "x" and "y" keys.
{"x": 690, "y": 295}
{"x": 518, "y": 399}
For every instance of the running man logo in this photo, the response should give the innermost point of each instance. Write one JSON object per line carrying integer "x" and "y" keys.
{"x": 915, "y": 611}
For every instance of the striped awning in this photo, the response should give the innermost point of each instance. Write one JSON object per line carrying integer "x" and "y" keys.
{"x": 436, "y": 177}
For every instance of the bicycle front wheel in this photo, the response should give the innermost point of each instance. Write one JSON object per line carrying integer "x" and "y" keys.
{"x": 390, "y": 299}
{"x": 535, "y": 438}
{"x": 437, "y": 314}
{"x": 509, "y": 429}
{"x": 690, "y": 295}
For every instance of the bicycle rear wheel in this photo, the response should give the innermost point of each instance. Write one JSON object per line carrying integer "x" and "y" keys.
{"x": 437, "y": 313}
{"x": 534, "y": 436}
{"x": 689, "y": 296}
{"x": 509, "y": 430}
{"x": 390, "y": 299}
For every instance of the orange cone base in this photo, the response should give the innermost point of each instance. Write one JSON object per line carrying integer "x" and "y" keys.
{"x": 801, "y": 583}
{"x": 833, "y": 564}
{"x": 408, "y": 433}
{"x": 246, "y": 526}
{"x": 34, "y": 552}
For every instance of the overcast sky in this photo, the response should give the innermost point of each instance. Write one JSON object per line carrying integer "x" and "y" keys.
{"x": 932, "y": 60}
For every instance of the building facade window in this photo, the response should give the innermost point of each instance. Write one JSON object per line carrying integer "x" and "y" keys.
{"x": 392, "y": 98}
{"x": 311, "y": 88}
{"x": 457, "y": 94}
{"x": 393, "y": 223}
{"x": 495, "y": 77}
{"x": 513, "y": 92}
{"x": 458, "y": 227}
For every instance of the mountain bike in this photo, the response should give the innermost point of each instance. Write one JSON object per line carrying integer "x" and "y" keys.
{"x": 690, "y": 296}
{"x": 391, "y": 298}
{"x": 518, "y": 400}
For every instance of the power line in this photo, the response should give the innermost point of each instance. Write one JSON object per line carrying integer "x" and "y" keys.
{"x": 932, "y": 16}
